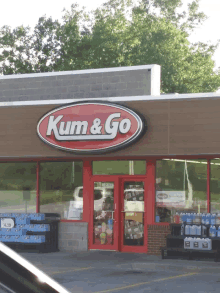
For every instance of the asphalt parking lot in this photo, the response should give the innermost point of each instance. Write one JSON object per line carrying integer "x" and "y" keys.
{"x": 107, "y": 271}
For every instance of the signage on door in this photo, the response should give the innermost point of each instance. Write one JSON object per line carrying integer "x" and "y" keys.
{"x": 91, "y": 127}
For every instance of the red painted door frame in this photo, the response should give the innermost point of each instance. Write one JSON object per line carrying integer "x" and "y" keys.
{"x": 89, "y": 179}
{"x": 128, "y": 248}
{"x": 148, "y": 180}
{"x": 113, "y": 179}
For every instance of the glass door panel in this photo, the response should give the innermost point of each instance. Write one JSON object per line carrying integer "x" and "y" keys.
{"x": 133, "y": 213}
{"x": 103, "y": 215}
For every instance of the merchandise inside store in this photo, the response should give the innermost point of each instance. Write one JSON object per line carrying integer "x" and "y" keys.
{"x": 181, "y": 185}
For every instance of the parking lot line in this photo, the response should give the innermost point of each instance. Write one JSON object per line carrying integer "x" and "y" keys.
{"x": 71, "y": 270}
{"x": 144, "y": 283}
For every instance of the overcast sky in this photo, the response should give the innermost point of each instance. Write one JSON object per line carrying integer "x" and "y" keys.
{"x": 26, "y": 12}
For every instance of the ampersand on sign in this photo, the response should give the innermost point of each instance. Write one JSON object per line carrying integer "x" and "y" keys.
{"x": 96, "y": 128}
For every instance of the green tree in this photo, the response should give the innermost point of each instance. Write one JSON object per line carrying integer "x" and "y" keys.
{"x": 75, "y": 39}
{"x": 119, "y": 33}
{"x": 45, "y": 45}
{"x": 15, "y": 50}
{"x": 146, "y": 38}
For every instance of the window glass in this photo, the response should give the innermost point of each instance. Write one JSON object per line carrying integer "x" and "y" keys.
{"x": 181, "y": 186}
{"x": 97, "y": 195}
{"x": 133, "y": 213}
{"x": 18, "y": 187}
{"x": 119, "y": 167}
{"x": 103, "y": 223}
{"x": 61, "y": 189}
{"x": 81, "y": 193}
{"x": 215, "y": 186}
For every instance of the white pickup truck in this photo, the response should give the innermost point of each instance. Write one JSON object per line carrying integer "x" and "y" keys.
{"x": 76, "y": 206}
{"x": 133, "y": 200}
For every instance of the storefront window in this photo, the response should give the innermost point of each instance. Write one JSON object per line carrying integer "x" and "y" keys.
{"x": 181, "y": 186}
{"x": 215, "y": 186}
{"x": 17, "y": 187}
{"x": 119, "y": 167}
{"x": 61, "y": 189}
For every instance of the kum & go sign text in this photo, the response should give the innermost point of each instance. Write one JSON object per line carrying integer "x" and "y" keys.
{"x": 91, "y": 127}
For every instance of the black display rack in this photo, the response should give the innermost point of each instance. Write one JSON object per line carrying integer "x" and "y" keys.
{"x": 51, "y": 236}
{"x": 175, "y": 243}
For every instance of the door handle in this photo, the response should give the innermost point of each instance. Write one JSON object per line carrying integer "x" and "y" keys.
{"x": 133, "y": 211}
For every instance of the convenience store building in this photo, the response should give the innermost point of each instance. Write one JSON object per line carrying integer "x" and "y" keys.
{"x": 109, "y": 153}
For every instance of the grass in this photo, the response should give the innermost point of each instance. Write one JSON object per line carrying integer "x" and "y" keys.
{"x": 14, "y": 197}
{"x": 54, "y": 196}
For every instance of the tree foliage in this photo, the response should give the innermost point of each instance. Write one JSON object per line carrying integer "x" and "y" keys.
{"x": 119, "y": 33}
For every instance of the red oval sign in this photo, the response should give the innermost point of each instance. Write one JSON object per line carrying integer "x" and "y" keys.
{"x": 91, "y": 127}
{"x": 162, "y": 196}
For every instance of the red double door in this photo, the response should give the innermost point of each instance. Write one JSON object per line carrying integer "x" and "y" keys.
{"x": 118, "y": 214}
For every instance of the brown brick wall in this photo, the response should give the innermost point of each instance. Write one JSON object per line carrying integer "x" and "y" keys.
{"x": 157, "y": 238}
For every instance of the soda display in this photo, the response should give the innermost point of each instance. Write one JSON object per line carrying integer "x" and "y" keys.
{"x": 208, "y": 219}
{"x": 199, "y": 230}
{"x": 197, "y": 233}
{"x": 194, "y": 218}
{"x": 212, "y": 231}
{"x": 182, "y": 229}
{"x": 206, "y": 244}
{"x": 217, "y": 219}
{"x": 193, "y": 230}
{"x": 204, "y": 231}
{"x": 23, "y": 227}
{"x": 213, "y": 219}
{"x": 197, "y": 227}
{"x": 188, "y": 218}
{"x": 188, "y": 243}
{"x": 196, "y": 242}
{"x": 198, "y": 219}
{"x": 187, "y": 230}
{"x": 183, "y": 217}
{"x": 176, "y": 218}
{"x": 218, "y": 232}
{"x": 203, "y": 219}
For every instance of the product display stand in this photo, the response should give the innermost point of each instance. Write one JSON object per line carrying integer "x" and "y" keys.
{"x": 31, "y": 232}
{"x": 175, "y": 243}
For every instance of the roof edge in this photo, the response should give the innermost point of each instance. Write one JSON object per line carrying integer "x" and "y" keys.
{"x": 114, "y": 99}
{"x": 84, "y": 71}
